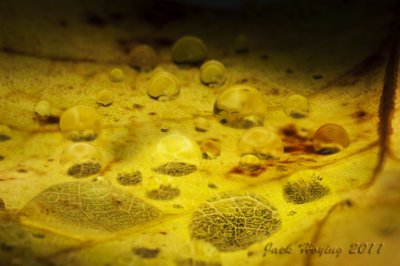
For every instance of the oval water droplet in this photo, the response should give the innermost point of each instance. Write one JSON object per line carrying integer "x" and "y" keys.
{"x": 189, "y": 49}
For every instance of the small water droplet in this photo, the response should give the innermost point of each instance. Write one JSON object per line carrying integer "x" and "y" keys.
{"x": 212, "y": 73}
{"x": 104, "y": 98}
{"x": 116, "y": 75}
{"x": 296, "y": 106}
{"x": 43, "y": 109}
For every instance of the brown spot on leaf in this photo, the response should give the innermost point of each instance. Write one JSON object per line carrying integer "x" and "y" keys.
{"x": 146, "y": 253}
{"x": 295, "y": 143}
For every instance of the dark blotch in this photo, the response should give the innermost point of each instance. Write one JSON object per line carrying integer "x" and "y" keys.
{"x": 317, "y": 77}
{"x": 175, "y": 169}
{"x": 2, "y": 204}
{"x": 302, "y": 192}
{"x": 4, "y": 137}
{"x": 84, "y": 169}
{"x": 130, "y": 179}
{"x": 165, "y": 192}
{"x": 1, "y": 158}
{"x": 96, "y": 20}
{"x": 6, "y": 247}
{"x": 146, "y": 253}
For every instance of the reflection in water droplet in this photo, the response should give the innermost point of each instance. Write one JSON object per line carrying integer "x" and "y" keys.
{"x": 81, "y": 160}
{"x": 175, "y": 155}
{"x": 163, "y": 86}
{"x": 240, "y": 106}
{"x": 330, "y": 138}
{"x": 296, "y": 106}
{"x": 80, "y": 123}
{"x": 212, "y": 73}
{"x": 261, "y": 142}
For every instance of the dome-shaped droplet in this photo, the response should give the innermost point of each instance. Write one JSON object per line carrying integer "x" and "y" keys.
{"x": 240, "y": 106}
{"x": 163, "y": 86}
{"x": 261, "y": 142}
{"x": 43, "y": 109}
{"x": 104, "y": 98}
{"x": 201, "y": 124}
{"x": 116, "y": 75}
{"x": 250, "y": 163}
{"x": 81, "y": 160}
{"x": 176, "y": 155}
{"x": 330, "y": 138}
{"x": 143, "y": 57}
{"x": 80, "y": 123}
{"x": 296, "y": 106}
{"x": 189, "y": 49}
{"x": 212, "y": 73}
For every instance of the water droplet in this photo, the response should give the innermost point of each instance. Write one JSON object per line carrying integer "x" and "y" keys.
{"x": 43, "y": 109}
{"x": 212, "y": 73}
{"x": 176, "y": 155}
{"x": 250, "y": 163}
{"x": 189, "y": 49}
{"x": 104, "y": 98}
{"x": 81, "y": 160}
{"x": 261, "y": 142}
{"x": 210, "y": 148}
{"x": 240, "y": 106}
{"x": 330, "y": 138}
{"x": 116, "y": 75}
{"x": 201, "y": 124}
{"x": 80, "y": 123}
{"x": 296, "y": 106}
{"x": 143, "y": 57}
{"x": 163, "y": 86}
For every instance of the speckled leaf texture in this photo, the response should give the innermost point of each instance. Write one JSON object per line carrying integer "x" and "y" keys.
{"x": 302, "y": 208}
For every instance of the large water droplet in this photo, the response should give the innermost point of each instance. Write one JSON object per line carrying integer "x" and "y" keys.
{"x": 212, "y": 73}
{"x": 240, "y": 106}
{"x": 189, "y": 49}
{"x": 81, "y": 160}
{"x": 80, "y": 123}
{"x": 163, "y": 86}
{"x": 330, "y": 138}
{"x": 176, "y": 155}
{"x": 261, "y": 142}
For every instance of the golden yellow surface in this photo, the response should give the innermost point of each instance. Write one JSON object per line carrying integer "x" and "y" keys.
{"x": 65, "y": 58}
